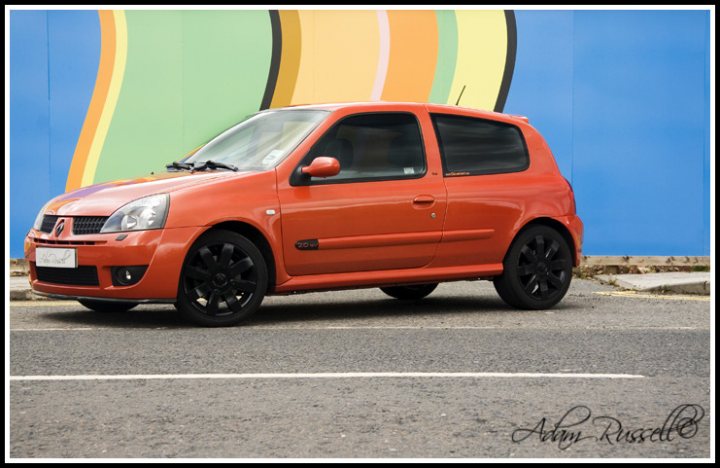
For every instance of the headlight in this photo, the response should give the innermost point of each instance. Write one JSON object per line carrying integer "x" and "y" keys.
{"x": 139, "y": 215}
{"x": 39, "y": 218}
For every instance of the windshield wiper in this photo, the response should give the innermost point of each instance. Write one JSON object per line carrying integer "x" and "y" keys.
{"x": 179, "y": 165}
{"x": 209, "y": 164}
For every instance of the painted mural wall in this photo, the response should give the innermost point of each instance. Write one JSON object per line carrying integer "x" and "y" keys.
{"x": 621, "y": 96}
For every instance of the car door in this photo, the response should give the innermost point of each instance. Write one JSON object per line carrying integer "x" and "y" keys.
{"x": 485, "y": 164}
{"x": 384, "y": 210}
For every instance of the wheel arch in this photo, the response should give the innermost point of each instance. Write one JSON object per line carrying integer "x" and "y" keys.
{"x": 256, "y": 237}
{"x": 553, "y": 224}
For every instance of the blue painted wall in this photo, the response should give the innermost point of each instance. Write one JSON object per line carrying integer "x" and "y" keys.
{"x": 623, "y": 100}
{"x": 29, "y": 123}
{"x": 53, "y": 65}
{"x": 621, "y": 96}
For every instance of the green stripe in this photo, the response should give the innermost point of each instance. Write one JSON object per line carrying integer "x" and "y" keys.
{"x": 447, "y": 56}
{"x": 189, "y": 75}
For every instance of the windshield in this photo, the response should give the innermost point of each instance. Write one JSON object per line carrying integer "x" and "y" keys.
{"x": 261, "y": 141}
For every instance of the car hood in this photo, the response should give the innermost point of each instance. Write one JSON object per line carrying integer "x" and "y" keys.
{"x": 103, "y": 199}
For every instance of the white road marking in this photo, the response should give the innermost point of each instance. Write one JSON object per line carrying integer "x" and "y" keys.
{"x": 324, "y": 375}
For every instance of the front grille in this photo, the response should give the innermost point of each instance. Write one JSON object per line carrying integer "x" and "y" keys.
{"x": 88, "y": 224}
{"x": 37, "y": 240}
{"x": 80, "y": 276}
{"x": 48, "y": 223}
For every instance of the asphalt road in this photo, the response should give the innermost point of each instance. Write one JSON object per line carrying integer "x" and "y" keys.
{"x": 634, "y": 359}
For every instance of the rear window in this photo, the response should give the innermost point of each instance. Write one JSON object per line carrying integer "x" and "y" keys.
{"x": 471, "y": 146}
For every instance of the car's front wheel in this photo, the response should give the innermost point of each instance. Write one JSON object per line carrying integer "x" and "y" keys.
{"x": 107, "y": 306}
{"x": 410, "y": 293}
{"x": 224, "y": 280}
{"x": 537, "y": 269}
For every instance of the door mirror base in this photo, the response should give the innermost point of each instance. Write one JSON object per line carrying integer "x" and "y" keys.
{"x": 322, "y": 166}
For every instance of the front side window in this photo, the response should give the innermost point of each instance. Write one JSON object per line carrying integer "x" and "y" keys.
{"x": 471, "y": 146}
{"x": 261, "y": 141}
{"x": 377, "y": 146}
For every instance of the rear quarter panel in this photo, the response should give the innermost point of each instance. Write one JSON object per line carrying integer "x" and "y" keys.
{"x": 497, "y": 206}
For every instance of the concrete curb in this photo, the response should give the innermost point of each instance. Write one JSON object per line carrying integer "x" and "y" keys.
{"x": 26, "y": 295}
{"x": 676, "y": 283}
{"x": 20, "y": 290}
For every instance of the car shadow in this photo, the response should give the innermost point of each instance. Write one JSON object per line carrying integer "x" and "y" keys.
{"x": 374, "y": 308}
{"x": 152, "y": 317}
{"x": 165, "y": 316}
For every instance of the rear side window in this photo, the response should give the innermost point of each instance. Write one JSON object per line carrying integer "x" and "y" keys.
{"x": 471, "y": 146}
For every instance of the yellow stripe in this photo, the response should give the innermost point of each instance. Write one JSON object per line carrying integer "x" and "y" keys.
{"x": 113, "y": 93}
{"x": 289, "y": 59}
{"x": 339, "y": 56}
{"x": 97, "y": 103}
{"x": 482, "y": 45}
{"x": 666, "y": 297}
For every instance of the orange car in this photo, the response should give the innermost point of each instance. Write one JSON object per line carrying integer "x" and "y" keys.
{"x": 399, "y": 196}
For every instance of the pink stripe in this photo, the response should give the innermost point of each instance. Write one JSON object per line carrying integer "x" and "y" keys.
{"x": 383, "y": 56}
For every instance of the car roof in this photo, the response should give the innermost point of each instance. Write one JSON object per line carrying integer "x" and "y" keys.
{"x": 391, "y": 104}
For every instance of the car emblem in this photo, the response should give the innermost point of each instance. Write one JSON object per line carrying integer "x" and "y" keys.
{"x": 59, "y": 228}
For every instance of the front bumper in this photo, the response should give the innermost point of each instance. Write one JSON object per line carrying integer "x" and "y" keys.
{"x": 162, "y": 250}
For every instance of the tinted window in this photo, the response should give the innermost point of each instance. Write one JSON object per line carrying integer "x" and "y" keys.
{"x": 373, "y": 146}
{"x": 475, "y": 146}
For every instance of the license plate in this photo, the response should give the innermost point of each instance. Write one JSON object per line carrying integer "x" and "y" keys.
{"x": 55, "y": 258}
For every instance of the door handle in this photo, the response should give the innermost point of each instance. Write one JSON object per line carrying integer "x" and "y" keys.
{"x": 424, "y": 200}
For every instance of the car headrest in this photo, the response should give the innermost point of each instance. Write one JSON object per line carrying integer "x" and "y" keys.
{"x": 342, "y": 150}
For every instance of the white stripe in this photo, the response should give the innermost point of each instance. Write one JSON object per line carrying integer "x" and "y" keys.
{"x": 326, "y": 375}
{"x": 383, "y": 56}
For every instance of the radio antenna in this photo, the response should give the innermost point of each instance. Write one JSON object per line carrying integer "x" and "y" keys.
{"x": 461, "y": 93}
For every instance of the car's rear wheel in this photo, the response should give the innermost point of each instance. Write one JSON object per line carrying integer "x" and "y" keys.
{"x": 224, "y": 280}
{"x": 537, "y": 269}
{"x": 107, "y": 306}
{"x": 409, "y": 293}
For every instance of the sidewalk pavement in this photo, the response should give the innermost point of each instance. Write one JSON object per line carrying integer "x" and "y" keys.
{"x": 20, "y": 289}
{"x": 675, "y": 283}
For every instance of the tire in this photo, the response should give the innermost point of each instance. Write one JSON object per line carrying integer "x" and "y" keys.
{"x": 410, "y": 293}
{"x": 223, "y": 281}
{"x": 537, "y": 269}
{"x": 107, "y": 306}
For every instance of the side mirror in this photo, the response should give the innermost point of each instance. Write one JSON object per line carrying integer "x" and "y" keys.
{"x": 322, "y": 166}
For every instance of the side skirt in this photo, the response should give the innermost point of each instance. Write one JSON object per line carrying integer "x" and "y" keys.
{"x": 369, "y": 279}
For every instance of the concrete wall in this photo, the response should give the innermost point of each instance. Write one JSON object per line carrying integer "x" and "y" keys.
{"x": 621, "y": 96}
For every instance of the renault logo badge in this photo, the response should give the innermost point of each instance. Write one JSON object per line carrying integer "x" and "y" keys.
{"x": 59, "y": 228}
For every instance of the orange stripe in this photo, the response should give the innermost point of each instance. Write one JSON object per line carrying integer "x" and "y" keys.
{"x": 413, "y": 55}
{"x": 97, "y": 102}
{"x": 289, "y": 58}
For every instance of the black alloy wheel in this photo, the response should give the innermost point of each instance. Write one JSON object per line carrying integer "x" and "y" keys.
{"x": 537, "y": 269}
{"x": 224, "y": 279}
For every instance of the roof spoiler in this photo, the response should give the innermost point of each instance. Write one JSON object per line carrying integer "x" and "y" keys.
{"x": 520, "y": 117}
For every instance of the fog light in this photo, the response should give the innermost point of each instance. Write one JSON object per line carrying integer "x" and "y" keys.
{"x": 127, "y": 275}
